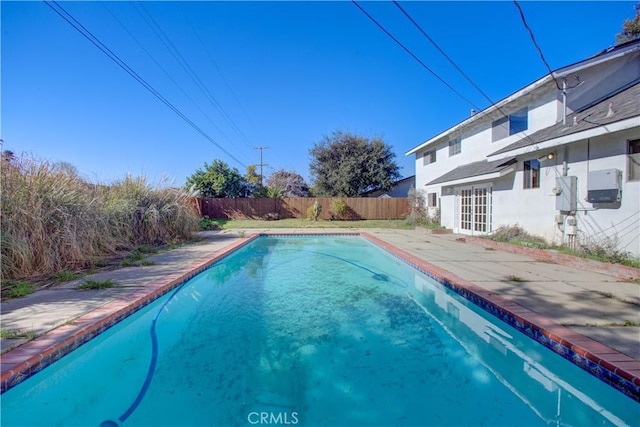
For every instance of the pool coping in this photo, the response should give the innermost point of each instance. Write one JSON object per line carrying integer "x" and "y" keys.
{"x": 610, "y": 366}
{"x": 31, "y": 357}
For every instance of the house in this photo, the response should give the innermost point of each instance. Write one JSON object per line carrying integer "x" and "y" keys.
{"x": 559, "y": 157}
{"x": 400, "y": 189}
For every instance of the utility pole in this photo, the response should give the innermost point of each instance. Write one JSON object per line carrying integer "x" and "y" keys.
{"x": 261, "y": 148}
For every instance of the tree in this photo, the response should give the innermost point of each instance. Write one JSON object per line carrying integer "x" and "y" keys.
{"x": 630, "y": 28}
{"x": 66, "y": 168}
{"x": 8, "y": 156}
{"x": 254, "y": 182}
{"x": 218, "y": 180}
{"x": 346, "y": 165}
{"x": 290, "y": 184}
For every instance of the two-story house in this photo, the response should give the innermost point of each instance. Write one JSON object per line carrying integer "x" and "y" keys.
{"x": 560, "y": 157}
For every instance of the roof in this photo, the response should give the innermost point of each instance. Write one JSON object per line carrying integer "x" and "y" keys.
{"x": 378, "y": 193}
{"x": 605, "y": 55}
{"x": 483, "y": 167}
{"x": 624, "y": 104}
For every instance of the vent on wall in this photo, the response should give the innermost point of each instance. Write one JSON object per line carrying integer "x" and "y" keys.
{"x": 604, "y": 186}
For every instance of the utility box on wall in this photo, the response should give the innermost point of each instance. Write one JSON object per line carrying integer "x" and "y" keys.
{"x": 566, "y": 191}
{"x": 604, "y": 186}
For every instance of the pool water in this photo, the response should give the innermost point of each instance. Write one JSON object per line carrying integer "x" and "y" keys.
{"x": 313, "y": 331}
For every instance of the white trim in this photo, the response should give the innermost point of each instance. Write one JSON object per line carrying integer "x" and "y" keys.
{"x": 482, "y": 114}
{"x": 488, "y": 214}
{"x": 567, "y": 139}
{"x": 561, "y": 72}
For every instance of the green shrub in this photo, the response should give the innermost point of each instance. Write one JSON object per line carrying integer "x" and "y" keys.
{"x": 314, "y": 211}
{"x": 338, "y": 208}
{"x": 64, "y": 276}
{"x": 97, "y": 284}
{"x": 11, "y": 289}
{"x": 208, "y": 224}
{"x": 12, "y": 335}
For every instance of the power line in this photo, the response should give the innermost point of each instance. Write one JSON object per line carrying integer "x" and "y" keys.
{"x": 412, "y": 54}
{"x": 165, "y": 72}
{"x": 189, "y": 70}
{"x": 215, "y": 64}
{"x": 104, "y": 49}
{"x": 633, "y": 215}
{"x": 493, "y": 104}
{"x": 424, "y": 33}
{"x": 533, "y": 39}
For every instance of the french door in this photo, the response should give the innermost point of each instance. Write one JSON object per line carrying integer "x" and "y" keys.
{"x": 474, "y": 209}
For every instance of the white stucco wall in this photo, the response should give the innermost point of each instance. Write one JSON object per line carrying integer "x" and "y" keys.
{"x": 534, "y": 209}
{"x": 476, "y": 141}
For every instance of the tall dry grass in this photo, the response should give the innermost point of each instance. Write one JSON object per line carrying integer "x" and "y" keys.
{"x": 53, "y": 220}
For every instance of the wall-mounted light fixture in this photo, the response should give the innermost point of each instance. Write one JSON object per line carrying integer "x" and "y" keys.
{"x": 549, "y": 156}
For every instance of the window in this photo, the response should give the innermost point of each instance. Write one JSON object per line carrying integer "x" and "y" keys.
{"x": 512, "y": 124}
{"x": 432, "y": 200}
{"x": 633, "y": 162}
{"x": 429, "y": 157}
{"x": 518, "y": 121}
{"x": 455, "y": 146}
{"x": 532, "y": 173}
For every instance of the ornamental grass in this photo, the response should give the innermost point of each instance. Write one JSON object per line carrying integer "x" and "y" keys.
{"x": 54, "y": 220}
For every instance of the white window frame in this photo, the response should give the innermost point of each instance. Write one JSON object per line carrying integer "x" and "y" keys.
{"x": 455, "y": 146}
{"x": 429, "y": 157}
{"x": 504, "y": 126}
{"x": 633, "y": 160}
{"x": 474, "y": 209}
{"x": 531, "y": 176}
{"x": 432, "y": 200}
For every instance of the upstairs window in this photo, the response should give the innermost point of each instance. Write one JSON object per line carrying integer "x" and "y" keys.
{"x": 633, "y": 160}
{"x": 512, "y": 124}
{"x": 455, "y": 146}
{"x": 532, "y": 173}
{"x": 429, "y": 157}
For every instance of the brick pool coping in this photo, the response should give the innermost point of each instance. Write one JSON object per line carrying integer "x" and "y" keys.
{"x": 30, "y": 358}
{"x": 614, "y": 368}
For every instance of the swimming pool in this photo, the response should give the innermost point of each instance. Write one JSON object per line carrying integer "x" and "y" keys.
{"x": 320, "y": 330}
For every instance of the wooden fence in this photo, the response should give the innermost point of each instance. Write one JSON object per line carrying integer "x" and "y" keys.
{"x": 296, "y": 207}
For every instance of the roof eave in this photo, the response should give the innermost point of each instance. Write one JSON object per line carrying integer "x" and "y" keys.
{"x": 476, "y": 178}
{"x": 480, "y": 115}
{"x": 567, "y": 139}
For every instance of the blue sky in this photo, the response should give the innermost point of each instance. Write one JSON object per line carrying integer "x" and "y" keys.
{"x": 276, "y": 74}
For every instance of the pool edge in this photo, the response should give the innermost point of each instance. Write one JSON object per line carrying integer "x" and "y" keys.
{"x": 31, "y": 357}
{"x": 608, "y": 365}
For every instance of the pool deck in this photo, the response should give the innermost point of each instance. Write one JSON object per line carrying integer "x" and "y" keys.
{"x": 566, "y": 297}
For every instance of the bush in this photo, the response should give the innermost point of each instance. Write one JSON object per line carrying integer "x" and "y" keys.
{"x": 272, "y": 216}
{"x": 338, "y": 208}
{"x": 314, "y": 211}
{"x": 518, "y": 235}
{"x": 11, "y": 289}
{"x": 607, "y": 250}
{"x": 53, "y": 220}
{"x": 418, "y": 213}
{"x": 207, "y": 223}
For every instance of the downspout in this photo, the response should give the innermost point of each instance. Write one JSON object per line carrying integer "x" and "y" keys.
{"x": 564, "y": 101}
